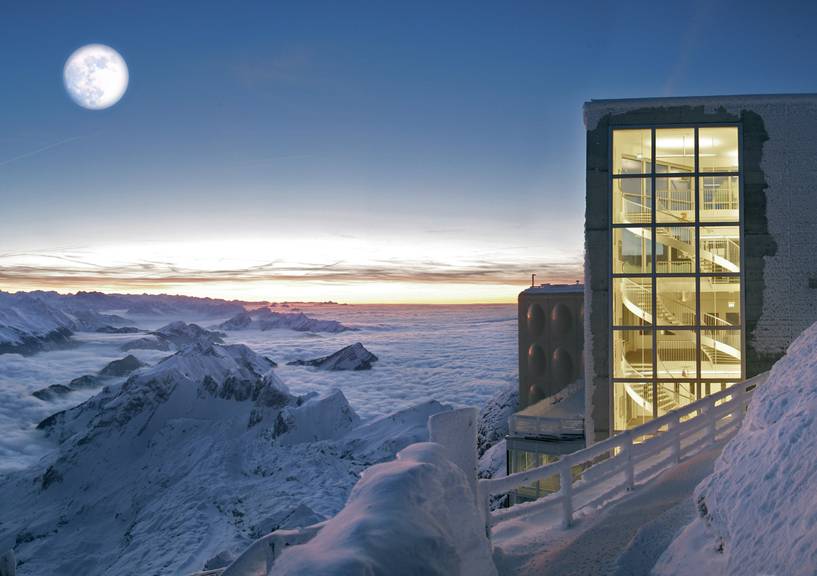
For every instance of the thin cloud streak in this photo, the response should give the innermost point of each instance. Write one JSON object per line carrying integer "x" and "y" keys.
{"x": 152, "y": 274}
{"x": 39, "y": 150}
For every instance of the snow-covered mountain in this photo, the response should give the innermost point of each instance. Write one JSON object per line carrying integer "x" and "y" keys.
{"x": 114, "y": 369}
{"x": 28, "y": 324}
{"x": 39, "y": 320}
{"x": 175, "y": 336}
{"x": 353, "y": 357}
{"x": 267, "y": 319}
{"x": 185, "y": 463}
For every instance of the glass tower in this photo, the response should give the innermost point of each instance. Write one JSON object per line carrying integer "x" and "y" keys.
{"x": 676, "y": 273}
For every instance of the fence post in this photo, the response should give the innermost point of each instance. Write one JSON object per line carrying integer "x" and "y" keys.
{"x": 676, "y": 438}
{"x": 711, "y": 423}
{"x": 566, "y": 488}
{"x": 629, "y": 467}
{"x": 740, "y": 399}
{"x": 456, "y": 430}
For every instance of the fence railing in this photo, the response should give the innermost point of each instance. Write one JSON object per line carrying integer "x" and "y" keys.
{"x": 602, "y": 472}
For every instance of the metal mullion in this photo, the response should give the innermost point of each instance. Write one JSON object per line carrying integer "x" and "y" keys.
{"x": 610, "y": 250}
{"x": 719, "y": 173}
{"x": 719, "y": 223}
{"x": 742, "y": 255}
{"x": 697, "y": 260}
{"x": 653, "y": 232}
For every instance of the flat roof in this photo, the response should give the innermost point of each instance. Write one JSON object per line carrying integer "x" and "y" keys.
{"x": 770, "y": 96}
{"x": 555, "y": 289}
{"x": 594, "y": 110}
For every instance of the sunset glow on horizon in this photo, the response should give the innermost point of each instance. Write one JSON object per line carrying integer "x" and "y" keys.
{"x": 345, "y": 270}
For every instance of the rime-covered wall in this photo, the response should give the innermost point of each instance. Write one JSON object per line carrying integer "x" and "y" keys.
{"x": 780, "y": 235}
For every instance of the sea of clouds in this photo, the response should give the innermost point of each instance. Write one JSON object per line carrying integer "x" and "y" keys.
{"x": 458, "y": 355}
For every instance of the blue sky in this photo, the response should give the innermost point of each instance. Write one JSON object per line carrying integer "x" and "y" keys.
{"x": 358, "y": 151}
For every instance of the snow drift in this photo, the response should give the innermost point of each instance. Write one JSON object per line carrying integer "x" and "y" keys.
{"x": 415, "y": 515}
{"x": 758, "y": 510}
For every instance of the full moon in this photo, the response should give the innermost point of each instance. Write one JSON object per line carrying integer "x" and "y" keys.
{"x": 96, "y": 76}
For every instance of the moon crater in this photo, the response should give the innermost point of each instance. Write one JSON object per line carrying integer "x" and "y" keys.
{"x": 96, "y": 76}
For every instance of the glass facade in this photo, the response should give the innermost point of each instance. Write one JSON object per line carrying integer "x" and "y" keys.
{"x": 676, "y": 298}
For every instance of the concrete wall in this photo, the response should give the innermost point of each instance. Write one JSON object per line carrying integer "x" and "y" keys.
{"x": 780, "y": 232}
{"x": 551, "y": 341}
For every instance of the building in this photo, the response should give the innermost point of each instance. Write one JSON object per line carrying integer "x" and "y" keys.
{"x": 550, "y": 420}
{"x": 701, "y": 256}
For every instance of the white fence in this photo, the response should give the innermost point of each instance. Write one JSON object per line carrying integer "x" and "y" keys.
{"x": 602, "y": 472}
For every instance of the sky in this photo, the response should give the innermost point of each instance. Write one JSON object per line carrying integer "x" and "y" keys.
{"x": 349, "y": 151}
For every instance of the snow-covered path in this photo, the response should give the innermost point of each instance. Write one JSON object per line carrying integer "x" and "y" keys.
{"x": 625, "y": 539}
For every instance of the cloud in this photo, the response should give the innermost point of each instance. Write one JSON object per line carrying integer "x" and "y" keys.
{"x": 71, "y": 270}
{"x": 39, "y": 150}
{"x": 20, "y": 443}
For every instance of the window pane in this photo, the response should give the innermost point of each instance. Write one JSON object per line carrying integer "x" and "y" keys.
{"x": 708, "y": 388}
{"x": 632, "y": 354}
{"x": 632, "y": 250}
{"x": 672, "y": 395}
{"x": 675, "y": 199}
{"x": 720, "y": 353}
{"x": 632, "y": 301}
{"x": 719, "y": 198}
{"x": 675, "y": 150}
{"x": 719, "y": 149}
{"x": 676, "y": 301}
{"x": 632, "y": 151}
{"x": 632, "y": 404}
{"x": 632, "y": 201}
{"x": 720, "y": 249}
{"x": 677, "y": 353}
{"x": 675, "y": 250}
{"x": 720, "y": 301}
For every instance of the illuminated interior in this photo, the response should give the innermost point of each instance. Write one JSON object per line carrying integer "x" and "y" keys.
{"x": 676, "y": 268}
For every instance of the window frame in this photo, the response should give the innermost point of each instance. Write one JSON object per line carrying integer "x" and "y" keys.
{"x": 696, "y": 177}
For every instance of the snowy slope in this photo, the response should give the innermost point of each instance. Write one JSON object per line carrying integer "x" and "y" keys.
{"x": 758, "y": 510}
{"x": 185, "y": 463}
{"x": 493, "y": 418}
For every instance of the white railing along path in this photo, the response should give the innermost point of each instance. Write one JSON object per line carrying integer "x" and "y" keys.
{"x": 602, "y": 472}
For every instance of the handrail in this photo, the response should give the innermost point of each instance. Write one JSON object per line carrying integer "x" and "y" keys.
{"x": 715, "y": 417}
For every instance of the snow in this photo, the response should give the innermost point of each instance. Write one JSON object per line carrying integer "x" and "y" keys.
{"x": 185, "y": 463}
{"x": 175, "y": 336}
{"x": 494, "y": 461}
{"x": 758, "y": 507}
{"x": 415, "y": 515}
{"x": 114, "y": 369}
{"x": 353, "y": 357}
{"x": 624, "y": 539}
{"x": 266, "y": 319}
{"x": 493, "y": 417}
{"x": 171, "y": 474}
